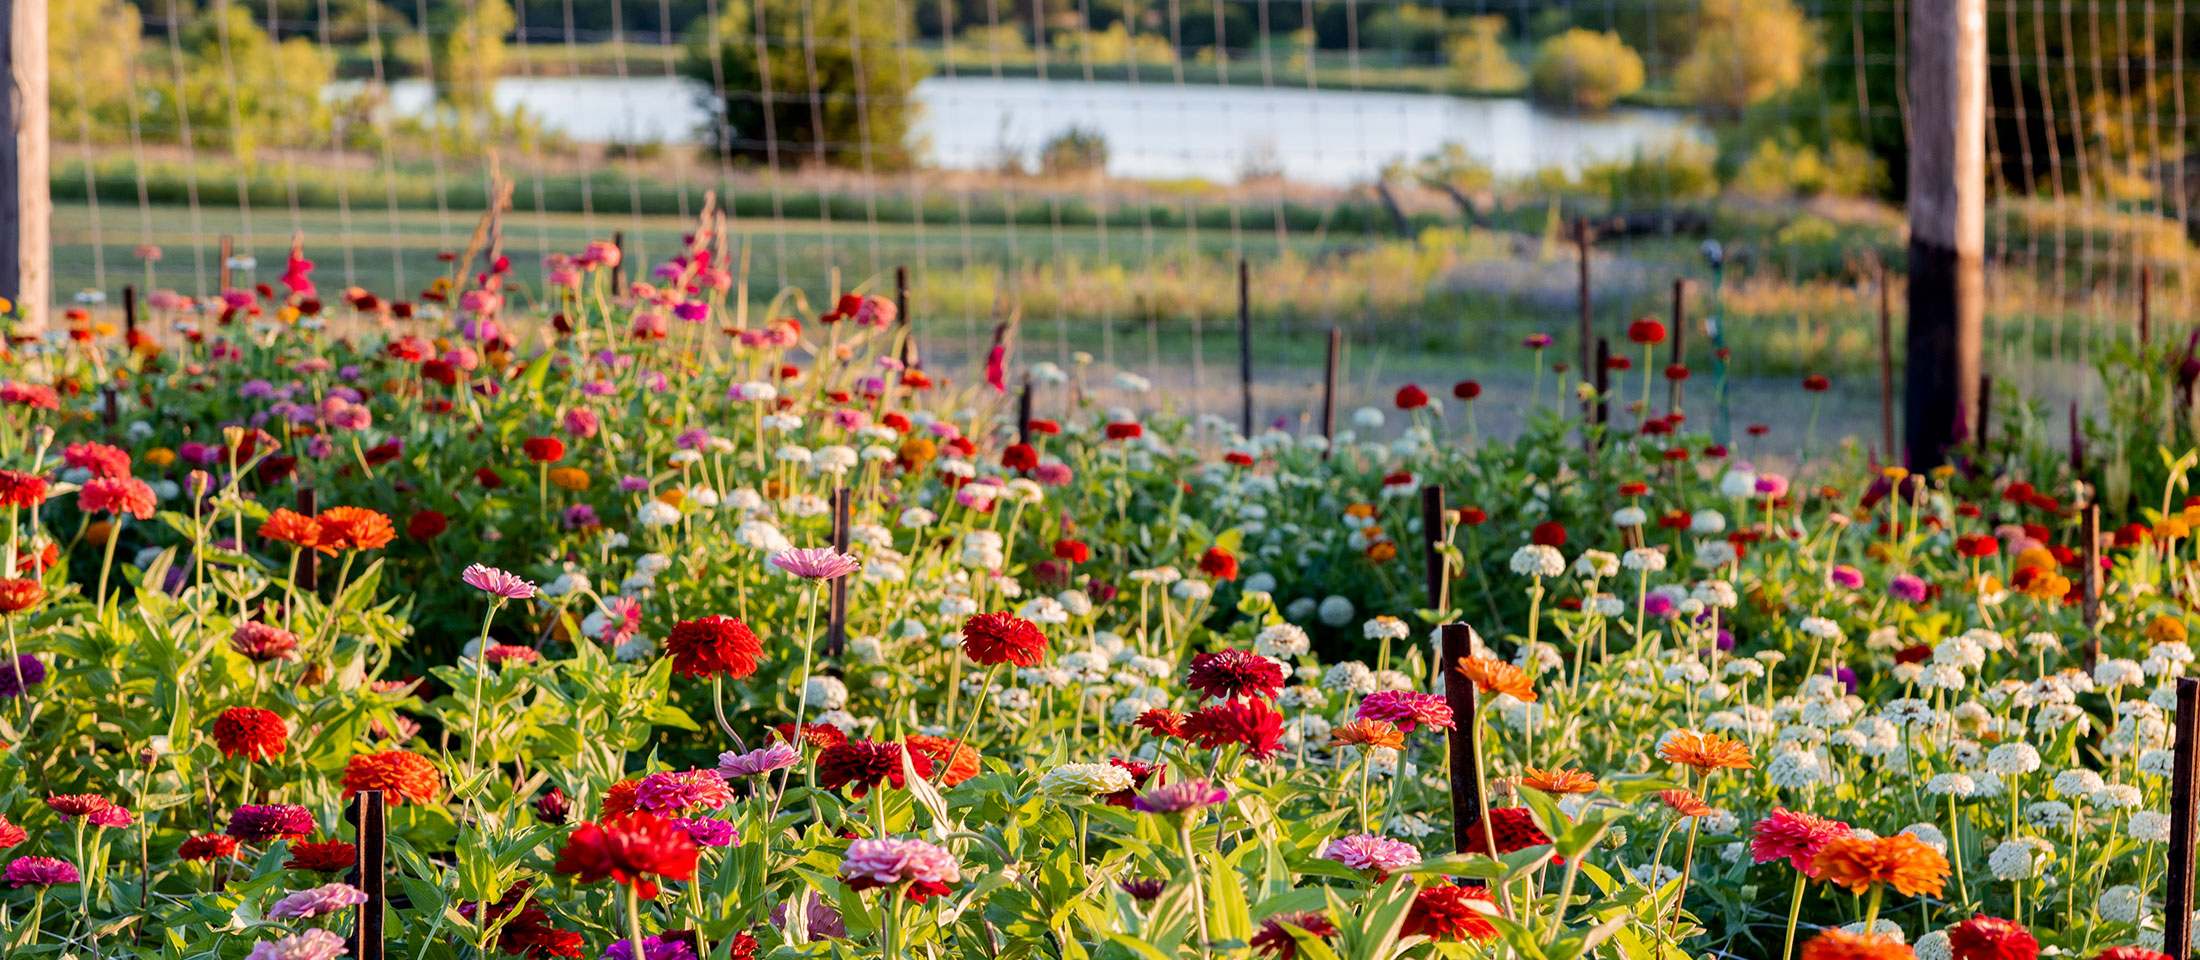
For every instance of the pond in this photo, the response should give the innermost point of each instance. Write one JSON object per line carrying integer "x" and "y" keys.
{"x": 1153, "y": 131}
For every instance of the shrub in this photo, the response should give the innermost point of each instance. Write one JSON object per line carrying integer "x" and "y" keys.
{"x": 1584, "y": 70}
{"x": 1746, "y": 51}
{"x": 1075, "y": 150}
{"x": 1479, "y": 61}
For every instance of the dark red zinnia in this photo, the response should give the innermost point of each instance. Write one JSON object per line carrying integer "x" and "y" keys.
{"x": 994, "y": 638}
{"x": 1072, "y": 550}
{"x": 1219, "y": 564}
{"x": 819, "y": 735}
{"x": 864, "y": 764}
{"x": 206, "y": 847}
{"x": 1513, "y": 827}
{"x": 1161, "y": 722}
{"x": 1019, "y": 456}
{"x": 713, "y": 646}
{"x": 1411, "y": 397}
{"x": 1273, "y": 939}
{"x": 1235, "y": 673}
{"x": 1991, "y": 938}
{"x": 632, "y": 849}
{"x": 1443, "y": 912}
{"x": 322, "y": 856}
{"x": 1141, "y": 772}
{"x": 544, "y": 449}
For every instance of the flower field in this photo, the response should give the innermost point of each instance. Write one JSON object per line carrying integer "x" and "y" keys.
{"x": 639, "y": 621}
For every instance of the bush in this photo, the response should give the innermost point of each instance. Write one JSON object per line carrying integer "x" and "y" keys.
{"x": 1479, "y": 62}
{"x": 1747, "y": 51}
{"x": 1773, "y": 171}
{"x": 1075, "y": 150}
{"x": 1678, "y": 171}
{"x": 1418, "y": 32}
{"x": 1584, "y": 70}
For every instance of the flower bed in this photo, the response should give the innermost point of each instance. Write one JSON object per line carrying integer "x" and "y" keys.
{"x": 559, "y": 582}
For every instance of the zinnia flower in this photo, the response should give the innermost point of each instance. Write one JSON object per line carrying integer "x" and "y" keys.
{"x": 402, "y": 777}
{"x": 1406, "y": 709}
{"x": 995, "y": 638}
{"x": 676, "y": 791}
{"x": 817, "y": 563}
{"x": 355, "y": 528}
{"x": 39, "y": 872}
{"x": 1274, "y": 938}
{"x": 207, "y": 846}
{"x": 317, "y": 902}
{"x": 1497, "y": 676}
{"x": 1514, "y": 828}
{"x": 93, "y": 808}
{"x": 497, "y": 583}
{"x": 117, "y": 495}
{"x": 1842, "y": 945}
{"x": 1797, "y": 837}
{"x": 1252, "y": 724}
{"x": 256, "y": 733}
{"x": 1161, "y": 722}
{"x": 1447, "y": 912}
{"x": 713, "y": 646}
{"x": 326, "y": 856}
{"x": 776, "y": 756}
{"x": 296, "y": 529}
{"x": 1559, "y": 782}
{"x": 263, "y": 822}
{"x": 1991, "y": 938}
{"x": 1234, "y": 673}
{"x": 314, "y": 944}
{"x": 1370, "y": 854}
{"x": 1367, "y": 733}
{"x": 1705, "y": 751}
{"x": 887, "y": 861}
{"x": 1901, "y": 861}
{"x": 262, "y": 642}
{"x": 864, "y": 764}
{"x": 955, "y": 761}
{"x": 631, "y": 849}
{"x": 1183, "y": 796}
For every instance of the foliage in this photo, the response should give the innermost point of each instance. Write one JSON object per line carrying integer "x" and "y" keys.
{"x": 841, "y": 96}
{"x": 1774, "y": 170}
{"x": 468, "y": 56}
{"x": 1584, "y": 70}
{"x": 1746, "y": 51}
{"x": 1075, "y": 150}
{"x": 1480, "y": 63}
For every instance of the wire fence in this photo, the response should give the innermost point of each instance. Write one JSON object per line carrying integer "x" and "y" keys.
{"x": 1409, "y": 172}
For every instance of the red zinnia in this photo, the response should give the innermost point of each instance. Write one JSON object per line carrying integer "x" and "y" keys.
{"x": 1161, "y": 722}
{"x": 629, "y": 849}
{"x": 1140, "y": 774}
{"x": 208, "y": 846}
{"x": 1817, "y": 383}
{"x": 995, "y": 638}
{"x": 864, "y": 764}
{"x": 117, "y": 495}
{"x": 256, "y": 733}
{"x": 1019, "y": 456}
{"x": 1234, "y": 673}
{"x": 1125, "y": 431}
{"x": 1274, "y": 940}
{"x": 1466, "y": 389}
{"x": 427, "y": 525}
{"x": 1991, "y": 938}
{"x": 1513, "y": 827}
{"x": 1795, "y": 837}
{"x": 1446, "y": 912}
{"x": 955, "y": 760}
{"x": 19, "y": 489}
{"x": 355, "y": 528}
{"x": 1549, "y": 533}
{"x": 1411, "y": 397}
{"x": 1219, "y": 564}
{"x": 544, "y": 449}
{"x": 1072, "y": 551}
{"x": 713, "y": 646}
{"x": 324, "y": 856}
{"x": 102, "y": 460}
{"x": 1675, "y": 371}
{"x": 1646, "y": 330}
{"x": 819, "y": 735}
{"x": 488, "y": 479}
{"x": 1251, "y": 724}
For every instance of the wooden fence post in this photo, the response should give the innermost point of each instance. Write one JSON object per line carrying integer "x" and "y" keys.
{"x": 1245, "y": 348}
{"x": 2177, "y": 900}
{"x": 1985, "y": 433}
{"x": 1602, "y": 377}
{"x": 1947, "y": 217}
{"x": 2146, "y": 304}
{"x": 2089, "y": 533}
{"x": 26, "y": 157}
{"x": 1456, "y": 642}
{"x": 1434, "y": 563}
{"x": 618, "y": 272}
{"x": 1679, "y": 354}
{"x": 370, "y": 838}
{"x": 1893, "y": 453}
{"x": 1589, "y": 413}
{"x": 836, "y": 625}
{"x": 109, "y": 408}
{"x": 129, "y": 315}
{"x": 1329, "y": 391}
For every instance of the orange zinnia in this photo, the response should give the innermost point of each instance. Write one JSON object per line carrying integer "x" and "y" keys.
{"x": 618, "y": 798}
{"x": 1842, "y": 945}
{"x": 1367, "y": 733}
{"x": 1705, "y": 751}
{"x": 1900, "y": 861}
{"x": 355, "y": 528}
{"x": 1559, "y": 782}
{"x": 1497, "y": 676}
{"x": 403, "y": 777}
{"x": 296, "y": 529}
{"x": 959, "y": 760}
{"x": 1684, "y": 802}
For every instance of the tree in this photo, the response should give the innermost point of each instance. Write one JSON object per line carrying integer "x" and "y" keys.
{"x": 1584, "y": 70}
{"x": 468, "y": 56}
{"x": 833, "y": 81}
{"x": 97, "y": 40}
{"x": 1746, "y": 51}
{"x": 1075, "y": 150}
{"x": 1479, "y": 61}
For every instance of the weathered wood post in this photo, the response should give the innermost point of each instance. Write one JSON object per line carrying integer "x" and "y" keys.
{"x": 370, "y": 840}
{"x": 1456, "y": 642}
{"x": 1679, "y": 354}
{"x": 1434, "y": 563}
{"x": 2177, "y": 899}
{"x": 1886, "y": 370}
{"x": 26, "y": 199}
{"x": 1329, "y": 391}
{"x": 1947, "y": 212}
{"x": 1245, "y": 349}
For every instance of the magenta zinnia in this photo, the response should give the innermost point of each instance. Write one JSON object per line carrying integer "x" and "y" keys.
{"x": 682, "y": 791}
{"x": 926, "y": 869}
{"x": 816, "y": 563}
{"x": 39, "y": 872}
{"x": 497, "y": 583}
{"x": 1406, "y": 709}
{"x": 1372, "y": 855}
{"x": 1796, "y": 837}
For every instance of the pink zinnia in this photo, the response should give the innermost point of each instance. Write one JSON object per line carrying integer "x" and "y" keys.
{"x": 117, "y": 495}
{"x": 317, "y": 902}
{"x": 779, "y": 755}
{"x": 1407, "y": 709}
{"x": 1795, "y": 836}
{"x": 95, "y": 809}
{"x": 39, "y": 872}
{"x": 1371, "y": 854}
{"x": 314, "y": 944}
{"x": 885, "y": 862}
{"x": 680, "y": 791}
{"x": 497, "y": 583}
{"x": 816, "y": 563}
